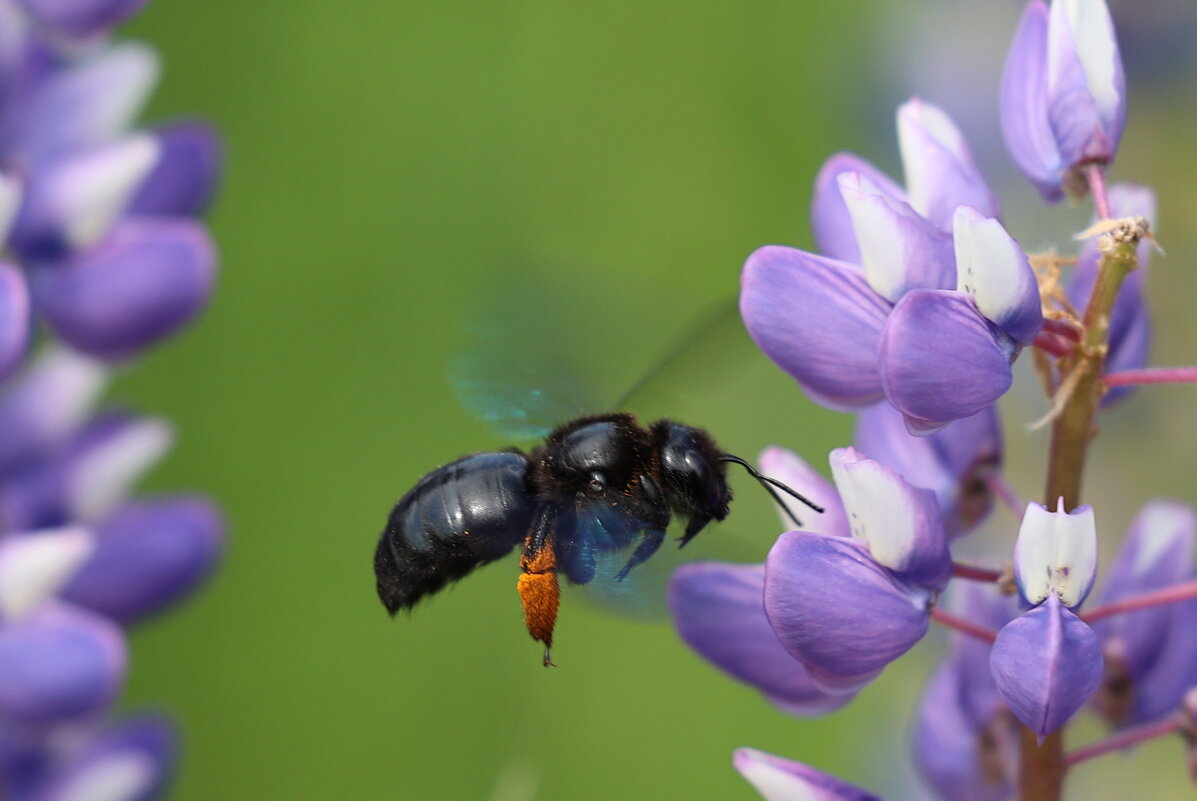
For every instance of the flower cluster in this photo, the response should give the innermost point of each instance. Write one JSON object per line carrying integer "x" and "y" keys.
{"x": 103, "y": 255}
{"x": 911, "y": 315}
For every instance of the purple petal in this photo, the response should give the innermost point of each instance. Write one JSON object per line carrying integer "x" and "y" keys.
{"x": 185, "y": 178}
{"x": 15, "y": 320}
{"x": 940, "y": 360}
{"x": 719, "y": 612}
{"x": 1086, "y": 88}
{"x": 133, "y": 761}
{"x": 953, "y": 462}
{"x": 991, "y": 267}
{"x": 778, "y": 779}
{"x": 900, "y": 522}
{"x": 830, "y": 221}
{"x": 35, "y": 565}
{"x": 940, "y": 173}
{"x": 1174, "y": 672}
{"x": 145, "y": 281}
{"x": 793, "y": 471}
{"x": 1046, "y": 664}
{"x": 1056, "y": 554}
{"x": 899, "y": 249}
{"x": 46, "y": 404}
{"x": 818, "y": 320}
{"x": 1157, "y": 553}
{"x": 82, "y": 17}
{"x": 149, "y": 555}
{"x": 107, "y": 459}
{"x": 837, "y": 611}
{"x": 1025, "y": 126}
{"x": 59, "y": 664}
{"x": 961, "y": 758}
{"x": 89, "y": 104}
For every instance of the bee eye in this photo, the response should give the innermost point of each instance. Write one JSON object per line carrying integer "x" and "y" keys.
{"x": 598, "y": 483}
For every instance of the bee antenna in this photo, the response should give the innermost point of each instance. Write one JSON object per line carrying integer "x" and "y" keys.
{"x": 768, "y": 483}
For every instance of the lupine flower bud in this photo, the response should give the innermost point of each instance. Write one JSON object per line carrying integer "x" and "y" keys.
{"x": 778, "y": 779}
{"x": 1063, "y": 94}
{"x": 81, "y": 17}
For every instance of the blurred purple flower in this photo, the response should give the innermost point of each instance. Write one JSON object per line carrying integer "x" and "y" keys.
{"x": 778, "y": 779}
{"x": 936, "y": 311}
{"x": 97, "y": 215}
{"x": 1063, "y": 96}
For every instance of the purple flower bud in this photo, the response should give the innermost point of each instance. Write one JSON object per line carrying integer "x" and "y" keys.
{"x": 793, "y": 471}
{"x": 1063, "y": 96}
{"x": 778, "y": 779}
{"x": 954, "y": 462}
{"x": 839, "y": 612}
{"x": 58, "y": 664}
{"x": 1056, "y": 554}
{"x": 819, "y": 320}
{"x": 185, "y": 177}
{"x": 719, "y": 612}
{"x": 1046, "y": 664}
{"x": 149, "y": 555}
{"x": 940, "y": 359}
{"x": 82, "y": 17}
{"x": 132, "y": 761}
{"x": 940, "y": 172}
{"x": 1174, "y": 671}
{"x": 147, "y": 279}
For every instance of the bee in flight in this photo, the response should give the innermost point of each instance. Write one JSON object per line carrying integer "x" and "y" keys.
{"x": 597, "y": 485}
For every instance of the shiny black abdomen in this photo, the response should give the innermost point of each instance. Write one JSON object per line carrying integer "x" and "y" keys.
{"x": 460, "y": 516}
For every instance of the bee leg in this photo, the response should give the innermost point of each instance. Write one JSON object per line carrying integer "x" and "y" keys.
{"x": 538, "y": 588}
{"x": 647, "y": 547}
{"x": 695, "y": 525}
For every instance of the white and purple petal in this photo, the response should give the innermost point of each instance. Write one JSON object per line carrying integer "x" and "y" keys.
{"x": 1024, "y": 103}
{"x": 16, "y": 322}
{"x": 819, "y": 320}
{"x": 1086, "y": 87}
{"x": 900, "y": 523}
{"x": 992, "y": 268}
{"x": 899, "y": 249}
{"x": 792, "y": 470}
{"x": 1046, "y": 664}
{"x": 149, "y": 555}
{"x": 131, "y": 761}
{"x": 107, "y": 459}
{"x": 839, "y": 612}
{"x": 941, "y": 360}
{"x": 1056, "y": 554}
{"x": 58, "y": 664}
{"x": 830, "y": 221}
{"x": 778, "y": 779}
{"x": 718, "y": 610}
{"x": 940, "y": 172}
{"x": 35, "y": 565}
{"x": 146, "y": 280}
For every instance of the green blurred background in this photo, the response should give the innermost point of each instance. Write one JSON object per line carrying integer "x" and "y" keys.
{"x": 389, "y": 164}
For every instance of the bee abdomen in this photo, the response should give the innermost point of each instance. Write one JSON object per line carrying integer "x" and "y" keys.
{"x": 460, "y": 516}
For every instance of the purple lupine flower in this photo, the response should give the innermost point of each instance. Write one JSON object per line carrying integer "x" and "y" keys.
{"x": 778, "y": 779}
{"x": 1047, "y": 662}
{"x": 97, "y": 216}
{"x": 1150, "y": 655}
{"x": 955, "y": 462}
{"x": 852, "y": 335}
{"x": 965, "y": 740}
{"x": 1130, "y": 322}
{"x": 872, "y": 569}
{"x": 1063, "y": 96}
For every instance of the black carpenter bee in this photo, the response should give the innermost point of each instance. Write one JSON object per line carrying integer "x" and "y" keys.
{"x": 597, "y": 485}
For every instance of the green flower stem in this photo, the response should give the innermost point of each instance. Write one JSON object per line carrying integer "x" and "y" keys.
{"x": 1041, "y": 776}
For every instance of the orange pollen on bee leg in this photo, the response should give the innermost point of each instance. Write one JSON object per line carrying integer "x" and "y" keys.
{"x": 540, "y": 594}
